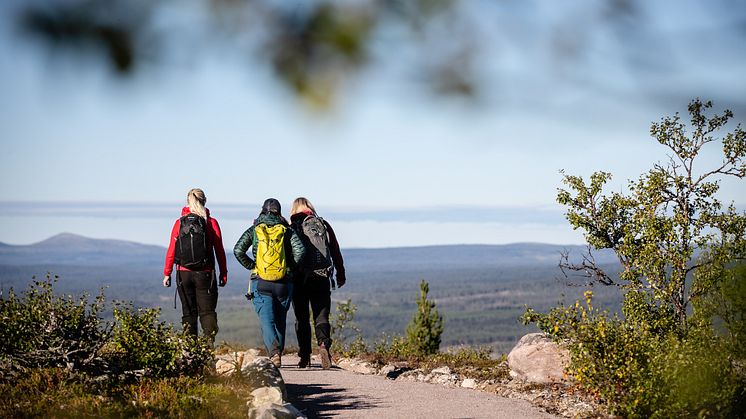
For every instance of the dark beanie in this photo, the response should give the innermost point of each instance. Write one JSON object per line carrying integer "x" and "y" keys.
{"x": 271, "y": 205}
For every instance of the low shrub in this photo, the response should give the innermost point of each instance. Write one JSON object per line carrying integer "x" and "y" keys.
{"x": 140, "y": 341}
{"x": 41, "y": 330}
{"x": 643, "y": 365}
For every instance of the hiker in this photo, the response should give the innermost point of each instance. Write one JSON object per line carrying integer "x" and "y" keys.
{"x": 195, "y": 242}
{"x": 313, "y": 282}
{"x": 276, "y": 250}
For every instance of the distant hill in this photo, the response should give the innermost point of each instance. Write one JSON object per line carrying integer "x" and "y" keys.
{"x": 72, "y": 249}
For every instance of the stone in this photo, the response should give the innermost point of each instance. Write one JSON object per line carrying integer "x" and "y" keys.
{"x": 356, "y": 366}
{"x": 261, "y": 372}
{"x": 469, "y": 383}
{"x": 392, "y": 371}
{"x": 537, "y": 359}
{"x": 441, "y": 370}
{"x": 226, "y": 363}
{"x": 265, "y": 396}
{"x": 224, "y": 367}
{"x": 267, "y": 403}
{"x": 276, "y": 411}
{"x": 386, "y": 370}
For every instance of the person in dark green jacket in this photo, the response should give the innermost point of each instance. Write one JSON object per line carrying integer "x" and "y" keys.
{"x": 271, "y": 285}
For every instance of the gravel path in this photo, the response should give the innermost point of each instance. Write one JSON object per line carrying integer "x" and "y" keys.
{"x": 338, "y": 393}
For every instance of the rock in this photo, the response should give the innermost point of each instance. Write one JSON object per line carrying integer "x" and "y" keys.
{"x": 265, "y": 396}
{"x": 441, "y": 370}
{"x": 385, "y": 371}
{"x": 413, "y": 375}
{"x": 261, "y": 372}
{"x": 276, "y": 411}
{"x": 392, "y": 371}
{"x": 469, "y": 383}
{"x": 224, "y": 367}
{"x": 442, "y": 375}
{"x": 226, "y": 363}
{"x": 537, "y": 359}
{"x": 268, "y": 403}
{"x": 356, "y": 366}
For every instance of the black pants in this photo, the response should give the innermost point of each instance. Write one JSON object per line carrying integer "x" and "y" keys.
{"x": 198, "y": 292}
{"x": 315, "y": 291}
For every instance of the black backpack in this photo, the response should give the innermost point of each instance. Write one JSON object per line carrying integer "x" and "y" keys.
{"x": 192, "y": 248}
{"x": 318, "y": 258}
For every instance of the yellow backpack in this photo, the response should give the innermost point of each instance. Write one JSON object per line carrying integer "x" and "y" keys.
{"x": 271, "y": 264}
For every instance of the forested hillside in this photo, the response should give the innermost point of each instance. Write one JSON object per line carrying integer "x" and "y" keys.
{"x": 480, "y": 289}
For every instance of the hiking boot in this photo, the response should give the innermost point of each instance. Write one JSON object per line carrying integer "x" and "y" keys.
{"x": 304, "y": 361}
{"x": 326, "y": 357}
{"x": 277, "y": 360}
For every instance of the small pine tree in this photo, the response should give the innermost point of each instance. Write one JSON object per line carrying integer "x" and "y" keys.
{"x": 423, "y": 332}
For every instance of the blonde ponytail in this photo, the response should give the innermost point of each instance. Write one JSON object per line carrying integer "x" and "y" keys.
{"x": 196, "y": 201}
{"x": 302, "y": 204}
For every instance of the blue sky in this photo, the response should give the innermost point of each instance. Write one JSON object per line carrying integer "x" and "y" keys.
{"x": 389, "y": 165}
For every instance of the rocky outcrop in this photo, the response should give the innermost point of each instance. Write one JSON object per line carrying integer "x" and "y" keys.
{"x": 538, "y": 359}
{"x": 268, "y": 400}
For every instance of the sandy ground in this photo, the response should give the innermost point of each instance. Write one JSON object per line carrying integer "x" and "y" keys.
{"x": 337, "y": 393}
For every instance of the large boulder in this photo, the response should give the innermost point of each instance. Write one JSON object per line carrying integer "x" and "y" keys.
{"x": 537, "y": 359}
{"x": 268, "y": 403}
{"x": 268, "y": 400}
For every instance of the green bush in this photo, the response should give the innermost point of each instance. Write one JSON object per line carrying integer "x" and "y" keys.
{"x": 39, "y": 330}
{"x": 141, "y": 342}
{"x": 642, "y": 366}
{"x": 609, "y": 357}
{"x": 392, "y": 348}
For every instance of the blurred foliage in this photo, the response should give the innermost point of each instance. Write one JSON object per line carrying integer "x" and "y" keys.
{"x": 314, "y": 47}
{"x": 53, "y": 393}
{"x": 677, "y": 351}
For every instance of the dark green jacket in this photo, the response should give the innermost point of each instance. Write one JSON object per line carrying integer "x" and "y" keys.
{"x": 293, "y": 244}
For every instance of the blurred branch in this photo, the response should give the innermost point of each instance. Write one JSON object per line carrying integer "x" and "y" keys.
{"x": 313, "y": 47}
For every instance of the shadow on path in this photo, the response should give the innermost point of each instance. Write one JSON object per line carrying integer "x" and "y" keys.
{"x": 325, "y": 401}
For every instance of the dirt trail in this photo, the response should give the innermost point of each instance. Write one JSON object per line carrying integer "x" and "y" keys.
{"x": 337, "y": 393}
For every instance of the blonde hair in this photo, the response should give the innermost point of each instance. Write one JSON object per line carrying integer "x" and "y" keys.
{"x": 196, "y": 201}
{"x": 302, "y": 204}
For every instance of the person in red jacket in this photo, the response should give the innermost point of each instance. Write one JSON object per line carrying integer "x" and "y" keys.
{"x": 195, "y": 242}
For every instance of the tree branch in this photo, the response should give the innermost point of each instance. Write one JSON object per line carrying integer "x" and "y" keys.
{"x": 586, "y": 269}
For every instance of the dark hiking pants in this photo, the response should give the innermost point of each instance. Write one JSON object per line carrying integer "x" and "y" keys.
{"x": 316, "y": 292}
{"x": 198, "y": 292}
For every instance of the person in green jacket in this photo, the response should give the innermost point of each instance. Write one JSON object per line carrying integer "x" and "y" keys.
{"x": 279, "y": 250}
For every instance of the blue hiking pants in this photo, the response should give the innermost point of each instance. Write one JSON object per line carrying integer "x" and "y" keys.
{"x": 271, "y": 302}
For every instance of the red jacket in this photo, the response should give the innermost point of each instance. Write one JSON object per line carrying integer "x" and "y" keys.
{"x": 213, "y": 235}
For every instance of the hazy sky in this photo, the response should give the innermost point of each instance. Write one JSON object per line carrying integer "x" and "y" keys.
{"x": 74, "y": 133}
